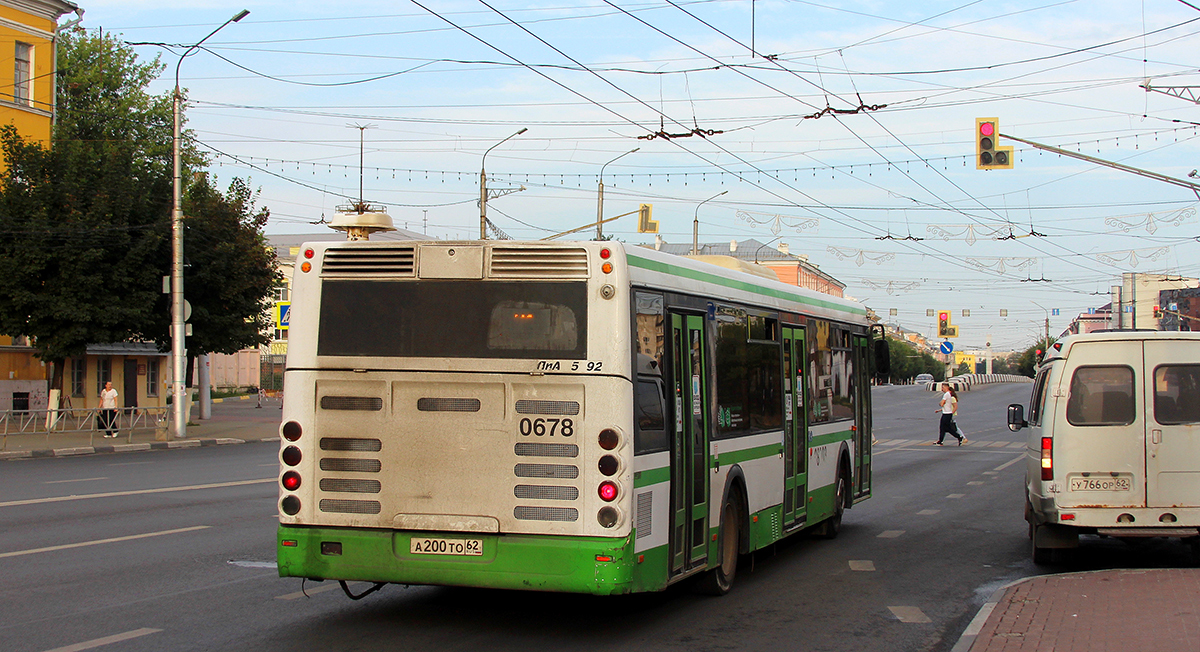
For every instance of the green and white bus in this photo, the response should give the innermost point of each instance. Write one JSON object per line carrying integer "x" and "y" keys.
{"x": 585, "y": 417}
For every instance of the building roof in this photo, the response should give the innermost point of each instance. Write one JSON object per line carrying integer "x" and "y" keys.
{"x": 126, "y": 348}
{"x": 47, "y": 9}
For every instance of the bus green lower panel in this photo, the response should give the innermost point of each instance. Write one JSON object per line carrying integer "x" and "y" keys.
{"x": 602, "y": 566}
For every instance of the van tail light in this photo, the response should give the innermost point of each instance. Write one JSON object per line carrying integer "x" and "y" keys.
{"x": 1047, "y": 458}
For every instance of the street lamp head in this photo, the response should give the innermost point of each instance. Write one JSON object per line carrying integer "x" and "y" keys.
{"x": 241, "y": 14}
{"x": 523, "y": 130}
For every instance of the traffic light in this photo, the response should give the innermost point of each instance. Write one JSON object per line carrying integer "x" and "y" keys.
{"x": 645, "y": 224}
{"x": 988, "y": 155}
{"x": 1158, "y": 312}
{"x": 943, "y": 323}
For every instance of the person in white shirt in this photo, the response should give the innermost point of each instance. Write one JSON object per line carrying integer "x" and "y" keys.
{"x": 108, "y": 410}
{"x": 949, "y": 408}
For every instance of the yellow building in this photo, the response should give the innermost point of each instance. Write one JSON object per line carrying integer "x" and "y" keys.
{"x": 28, "y": 33}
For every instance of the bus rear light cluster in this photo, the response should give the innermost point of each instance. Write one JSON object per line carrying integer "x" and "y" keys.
{"x": 291, "y": 481}
{"x": 608, "y": 516}
{"x": 608, "y": 465}
{"x": 605, "y": 254}
{"x": 292, "y": 431}
{"x": 1047, "y": 458}
{"x": 290, "y": 505}
{"x": 292, "y": 455}
{"x": 307, "y": 266}
{"x": 609, "y": 439}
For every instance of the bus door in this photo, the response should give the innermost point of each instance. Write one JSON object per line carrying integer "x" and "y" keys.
{"x": 861, "y": 384}
{"x": 689, "y": 444}
{"x": 795, "y": 429}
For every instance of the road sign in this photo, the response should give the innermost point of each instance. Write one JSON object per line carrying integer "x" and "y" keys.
{"x": 283, "y": 314}
{"x": 947, "y": 347}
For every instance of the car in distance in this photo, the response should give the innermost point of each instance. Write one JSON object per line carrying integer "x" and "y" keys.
{"x": 923, "y": 379}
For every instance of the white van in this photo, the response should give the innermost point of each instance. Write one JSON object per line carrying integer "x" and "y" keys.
{"x": 1114, "y": 439}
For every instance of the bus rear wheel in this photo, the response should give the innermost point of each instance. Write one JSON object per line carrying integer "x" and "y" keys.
{"x": 719, "y": 580}
{"x": 830, "y": 527}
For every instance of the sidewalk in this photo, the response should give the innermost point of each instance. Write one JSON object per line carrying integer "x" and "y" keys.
{"x": 1118, "y": 610}
{"x": 233, "y": 421}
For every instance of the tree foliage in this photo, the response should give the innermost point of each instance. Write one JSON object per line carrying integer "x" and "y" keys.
{"x": 907, "y": 362}
{"x": 85, "y": 226}
{"x": 1030, "y": 358}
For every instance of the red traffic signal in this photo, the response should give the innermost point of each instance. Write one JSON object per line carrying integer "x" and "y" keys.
{"x": 988, "y": 153}
{"x": 943, "y": 323}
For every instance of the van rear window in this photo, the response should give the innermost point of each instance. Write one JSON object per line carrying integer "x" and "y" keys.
{"x": 1177, "y": 394}
{"x": 1101, "y": 396}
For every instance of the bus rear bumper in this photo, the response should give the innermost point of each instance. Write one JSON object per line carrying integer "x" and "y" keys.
{"x": 601, "y": 566}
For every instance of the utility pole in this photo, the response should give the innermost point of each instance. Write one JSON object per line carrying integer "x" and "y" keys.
{"x": 1194, "y": 187}
{"x": 483, "y": 192}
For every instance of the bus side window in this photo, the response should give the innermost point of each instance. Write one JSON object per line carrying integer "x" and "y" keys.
{"x": 650, "y": 428}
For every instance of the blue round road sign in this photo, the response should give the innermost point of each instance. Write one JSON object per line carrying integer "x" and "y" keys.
{"x": 947, "y": 347}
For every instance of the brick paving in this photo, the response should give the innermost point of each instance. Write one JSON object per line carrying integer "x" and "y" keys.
{"x": 1098, "y": 611}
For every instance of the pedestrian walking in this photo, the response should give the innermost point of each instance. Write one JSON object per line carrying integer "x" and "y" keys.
{"x": 108, "y": 410}
{"x": 949, "y": 408}
{"x": 261, "y": 392}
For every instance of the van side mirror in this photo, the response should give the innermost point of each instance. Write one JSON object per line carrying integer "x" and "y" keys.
{"x": 883, "y": 358}
{"x": 1016, "y": 417}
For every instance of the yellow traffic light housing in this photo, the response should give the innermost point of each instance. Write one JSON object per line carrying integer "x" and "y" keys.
{"x": 645, "y": 224}
{"x": 943, "y": 323}
{"x": 988, "y": 154}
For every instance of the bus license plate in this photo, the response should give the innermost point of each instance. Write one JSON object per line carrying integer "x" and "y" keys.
{"x": 467, "y": 547}
{"x": 1100, "y": 484}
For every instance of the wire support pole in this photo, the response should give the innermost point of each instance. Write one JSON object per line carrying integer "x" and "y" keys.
{"x": 1194, "y": 187}
{"x": 600, "y": 195}
{"x": 483, "y": 194}
{"x": 179, "y": 414}
{"x": 696, "y": 223}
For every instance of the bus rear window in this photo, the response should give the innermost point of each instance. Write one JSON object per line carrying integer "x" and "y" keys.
{"x": 453, "y": 319}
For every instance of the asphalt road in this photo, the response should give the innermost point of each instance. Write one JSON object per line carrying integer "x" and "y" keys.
{"x": 174, "y": 550}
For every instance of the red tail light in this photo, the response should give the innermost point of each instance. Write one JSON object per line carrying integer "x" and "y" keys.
{"x": 291, "y": 481}
{"x": 1047, "y": 458}
{"x": 608, "y": 491}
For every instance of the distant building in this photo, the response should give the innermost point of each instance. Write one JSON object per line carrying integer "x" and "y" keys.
{"x": 29, "y": 32}
{"x": 1095, "y": 319}
{"x": 1180, "y": 309}
{"x": 790, "y": 268}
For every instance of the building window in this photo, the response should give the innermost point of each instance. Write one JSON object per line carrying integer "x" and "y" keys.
{"x": 22, "y": 79}
{"x": 78, "y": 373}
{"x": 103, "y": 373}
{"x": 152, "y": 376}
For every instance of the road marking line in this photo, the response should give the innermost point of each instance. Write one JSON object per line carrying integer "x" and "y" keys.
{"x": 975, "y": 483}
{"x": 129, "y": 463}
{"x": 991, "y": 473}
{"x": 66, "y": 481}
{"x": 862, "y": 565}
{"x": 997, "y": 444}
{"x": 111, "y": 494}
{"x": 1009, "y": 463}
{"x": 956, "y": 495}
{"x": 928, "y": 512}
{"x": 81, "y": 544}
{"x": 1017, "y": 444}
{"x": 910, "y": 614}
{"x": 889, "y": 534}
{"x": 254, "y": 564}
{"x": 97, "y": 642}
{"x": 319, "y": 589}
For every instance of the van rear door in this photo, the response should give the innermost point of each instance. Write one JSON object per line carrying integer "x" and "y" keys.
{"x": 1100, "y": 452}
{"x": 1173, "y": 445}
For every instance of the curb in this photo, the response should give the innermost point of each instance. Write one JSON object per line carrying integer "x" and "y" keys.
{"x": 976, "y": 625}
{"x": 121, "y": 448}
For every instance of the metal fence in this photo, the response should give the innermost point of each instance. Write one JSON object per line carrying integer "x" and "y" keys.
{"x": 86, "y": 421}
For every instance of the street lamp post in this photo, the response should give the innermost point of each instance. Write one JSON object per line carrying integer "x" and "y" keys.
{"x": 178, "y": 348}
{"x": 600, "y": 195}
{"x": 1047, "y": 320}
{"x": 483, "y": 185}
{"x": 696, "y": 223}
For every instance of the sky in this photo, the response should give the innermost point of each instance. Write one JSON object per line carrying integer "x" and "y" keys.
{"x": 845, "y": 129}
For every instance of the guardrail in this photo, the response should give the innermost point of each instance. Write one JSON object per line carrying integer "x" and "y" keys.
{"x": 47, "y": 423}
{"x": 965, "y": 382}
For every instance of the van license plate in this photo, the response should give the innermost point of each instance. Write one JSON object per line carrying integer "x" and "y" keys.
{"x": 1100, "y": 484}
{"x": 466, "y": 547}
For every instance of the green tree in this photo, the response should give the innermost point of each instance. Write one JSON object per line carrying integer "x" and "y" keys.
{"x": 907, "y": 361}
{"x": 85, "y": 226}
{"x": 963, "y": 369}
{"x": 230, "y": 270}
{"x": 1030, "y": 358}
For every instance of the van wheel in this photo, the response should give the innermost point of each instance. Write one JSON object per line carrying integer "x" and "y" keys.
{"x": 719, "y": 580}
{"x": 1041, "y": 556}
{"x": 830, "y": 527}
